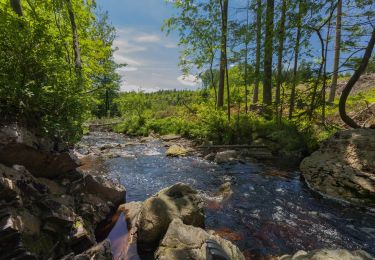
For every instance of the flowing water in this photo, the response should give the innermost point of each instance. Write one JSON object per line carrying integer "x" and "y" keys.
{"x": 270, "y": 213}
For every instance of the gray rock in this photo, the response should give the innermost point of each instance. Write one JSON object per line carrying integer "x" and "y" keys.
{"x": 226, "y": 156}
{"x": 105, "y": 189}
{"x": 101, "y": 251}
{"x": 40, "y": 156}
{"x": 187, "y": 242}
{"x": 329, "y": 254}
{"x": 177, "y": 201}
{"x": 344, "y": 167}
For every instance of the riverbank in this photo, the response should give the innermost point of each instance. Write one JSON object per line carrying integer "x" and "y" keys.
{"x": 49, "y": 209}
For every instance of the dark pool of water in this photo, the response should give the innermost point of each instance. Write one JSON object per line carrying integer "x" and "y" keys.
{"x": 271, "y": 212}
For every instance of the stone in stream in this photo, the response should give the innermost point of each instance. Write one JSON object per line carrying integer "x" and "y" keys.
{"x": 344, "y": 167}
{"x": 328, "y": 254}
{"x": 176, "y": 150}
{"x": 177, "y": 201}
{"x": 226, "y": 156}
{"x": 187, "y": 242}
{"x": 171, "y": 222}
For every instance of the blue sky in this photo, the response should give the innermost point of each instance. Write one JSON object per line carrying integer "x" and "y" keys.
{"x": 152, "y": 57}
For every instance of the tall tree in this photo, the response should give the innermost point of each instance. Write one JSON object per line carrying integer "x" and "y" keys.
{"x": 296, "y": 57}
{"x": 223, "y": 51}
{"x": 268, "y": 53}
{"x": 77, "y": 52}
{"x": 258, "y": 50}
{"x": 246, "y": 76}
{"x": 336, "y": 59}
{"x": 280, "y": 51}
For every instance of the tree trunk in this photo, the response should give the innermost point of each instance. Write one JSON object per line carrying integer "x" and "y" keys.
{"x": 296, "y": 56}
{"x": 228, "y": 89}
{"x": 336, "y": 59}
{"x": 246, "y": 55}
{"x": 16, "y": 6}
{"x": 258, "y": 50}
{"x": 357, "y": 74}
{"x": 268, "y": 53}
{"x": 213, "y": 78}
{"x": 77, "y": 52}
{"x": 223, "y": 47}
{"x": 280, "y": 51}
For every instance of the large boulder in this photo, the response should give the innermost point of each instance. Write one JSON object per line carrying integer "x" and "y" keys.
{"x": 178, "y": 201}
{"x": 187, "y": 242}
{"x": 329, "y": 254}
{"x": 344, "y": 167}
{"x": 42, "y": 157}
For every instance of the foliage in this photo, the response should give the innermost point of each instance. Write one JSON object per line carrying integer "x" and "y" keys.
{"x": 39, "y": 84}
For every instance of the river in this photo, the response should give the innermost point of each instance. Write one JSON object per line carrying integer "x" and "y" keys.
{"x": 270, "y": 213}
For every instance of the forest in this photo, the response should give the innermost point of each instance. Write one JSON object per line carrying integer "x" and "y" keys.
{"x": 268, "y": 152}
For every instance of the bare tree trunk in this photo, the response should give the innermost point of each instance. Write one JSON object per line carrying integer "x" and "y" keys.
{"x": 258, "y": 49}
{"x": 16, "y": 6}
{"x": 246, "y": 56}
{"x": 77, "y": 52}
{"x": 336, "y": 59}
{"x": 296, "y": 56}
{"x": 228, "y": 89}
{"x": 212, "y": 78}
{"x": 357, "y": 74}
{"x": 268, "y": 53}
{"x": 223, "y": 47}
{"x": 280, "y": 52}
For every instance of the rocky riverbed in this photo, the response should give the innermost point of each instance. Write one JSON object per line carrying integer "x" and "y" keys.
{"x": 262, "y": 207}
{"x": 229, "y": 202}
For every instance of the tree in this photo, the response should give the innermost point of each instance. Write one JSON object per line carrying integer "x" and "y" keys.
{"x": 16, "y": 6}
{"x": 258, "y": 50}
{"x": 296, "y": 57}
{"x": 280, "y": 52}
{"x": 355, "y": 77}
{"x": 336, "y": 59}
{"x": 268, "y": 53}
{"x": 223, "y": 51}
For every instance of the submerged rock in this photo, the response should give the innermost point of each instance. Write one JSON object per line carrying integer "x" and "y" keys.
{"x": 344, "y": 167}
{"x": 329, "y": 254}
{"x": 187, "y": 242}
{"x": 177, "y": 201}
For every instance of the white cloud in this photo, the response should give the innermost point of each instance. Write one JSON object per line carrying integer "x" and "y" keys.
{"x": 124, "y": 46}
{"x": 120, "y": 59}
{"x": 122, "y": 71}
{"x": 147, "y": 38}
{"x": 189, "y": 80}
{"x": 130, "y": 87}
